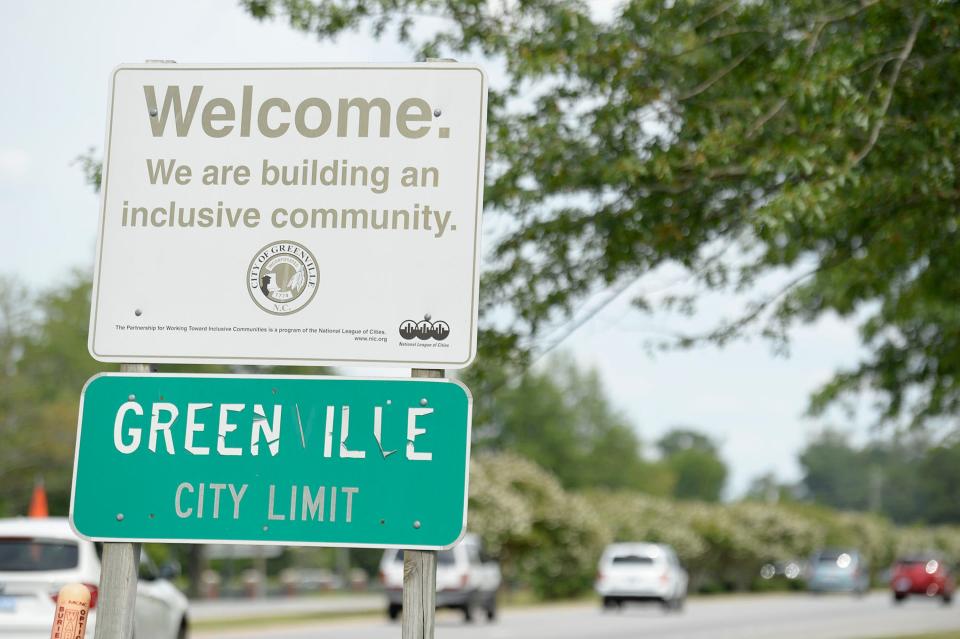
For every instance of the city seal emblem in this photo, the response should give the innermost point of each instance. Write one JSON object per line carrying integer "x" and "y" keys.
{"x": 282, "y": 277}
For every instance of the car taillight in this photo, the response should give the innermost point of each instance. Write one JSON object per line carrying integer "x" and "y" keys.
{"x": 599, "y": 576}
{"x": 664, "y": 577}
{"x": 463, "y": 580}
{"x": 383, "y": 577}
{"x": 94, "y": 591}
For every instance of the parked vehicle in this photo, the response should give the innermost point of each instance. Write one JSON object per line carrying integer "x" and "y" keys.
{"x": 641, "y": 572}
{"x": 466, "y": 579}
{"x": 838, "y": 570}
{"x": 922, "y": 575}
{"x": 39, "y": 555}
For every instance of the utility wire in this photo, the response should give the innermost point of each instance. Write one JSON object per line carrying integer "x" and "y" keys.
{"x": 575, "y": 324}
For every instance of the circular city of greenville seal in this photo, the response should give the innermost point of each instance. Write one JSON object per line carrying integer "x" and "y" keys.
{"x": 282, "y": 277}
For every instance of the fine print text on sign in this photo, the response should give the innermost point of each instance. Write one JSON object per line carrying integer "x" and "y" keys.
{"x": 291, "y": 215}
{"x": 272, "y": 459}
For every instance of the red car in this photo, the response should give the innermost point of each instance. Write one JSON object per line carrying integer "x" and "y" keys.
{"x": 922, "y": 575}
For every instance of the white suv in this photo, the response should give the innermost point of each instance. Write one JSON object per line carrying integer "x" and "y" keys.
{"x": 466, "y": 579}
{"x": 39, "y": 555}
{"x": 641, "y": 572}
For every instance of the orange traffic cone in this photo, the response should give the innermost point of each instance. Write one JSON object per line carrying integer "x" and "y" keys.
{"x": 38, "y": 502}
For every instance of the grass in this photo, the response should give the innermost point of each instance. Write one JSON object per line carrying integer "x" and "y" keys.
{"x": 950, "y": 634}
{"x": 289, "y": 618}
{"x": 520, "y": 599}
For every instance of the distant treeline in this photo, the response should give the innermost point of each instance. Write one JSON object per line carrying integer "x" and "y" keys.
{"x": 911, "y": 476}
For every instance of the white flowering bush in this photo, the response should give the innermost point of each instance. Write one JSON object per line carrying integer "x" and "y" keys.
{"x": 638, "y": 517}
{"x": 547, "y": 538}
{"x": 763, "y": 533}
{"x": 944, "y": 540}
{"x": 550, "y": 539}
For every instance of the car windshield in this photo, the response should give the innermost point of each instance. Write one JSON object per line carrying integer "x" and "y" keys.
{"x": 913, "y": 561}
{"x": 838, "y": 559}
{"x": 831, "y": 556}
{"x": 632, "y": 560}
{"x": 19, "y": 554}
{"x": 444, "y": 558}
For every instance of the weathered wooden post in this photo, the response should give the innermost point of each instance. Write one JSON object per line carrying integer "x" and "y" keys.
{"x": 420, "y": 573}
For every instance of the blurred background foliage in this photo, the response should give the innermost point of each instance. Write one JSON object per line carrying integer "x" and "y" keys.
{"x": 557, "y": 471}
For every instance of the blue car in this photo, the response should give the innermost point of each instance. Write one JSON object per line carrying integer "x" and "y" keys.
{"x": 837, "y": 570}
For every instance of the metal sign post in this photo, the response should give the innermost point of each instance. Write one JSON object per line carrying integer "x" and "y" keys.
{"x": 420, "y": 574}
{"x": 118, "y": 575}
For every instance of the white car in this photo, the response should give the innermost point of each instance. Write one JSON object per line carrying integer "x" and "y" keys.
{"x": 39, "y": 555}
{"x": 466, "y": 579}
{"x": 641, "y": 572}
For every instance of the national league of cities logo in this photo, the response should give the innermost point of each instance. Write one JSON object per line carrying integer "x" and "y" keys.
{"x": 282, "y": 277}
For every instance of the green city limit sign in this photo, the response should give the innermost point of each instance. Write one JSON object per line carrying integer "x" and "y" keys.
{"x": 272, "y": 459}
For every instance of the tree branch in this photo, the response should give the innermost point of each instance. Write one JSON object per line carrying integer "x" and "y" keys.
{"x": 724, "y": 332}
{"x": 901, "y": 59}
{"x": 729, "y": 33}
{"x": 766, "y": 117}
{"x": 723, "y": 8}
{"x": 862, "y": 6}
{"x": 818, "y": 26}
{"x": 709, "y": 82}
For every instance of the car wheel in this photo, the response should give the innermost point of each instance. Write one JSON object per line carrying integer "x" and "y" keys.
{"x": 492, "y": 609}
{"x": 612, "y": 603}
{"x": 947, "y": 599}
{"x": 899, "y": 597}
{"x": 184, "y": 631}
{"x": 467, "y": 613}
{"x": 393, "y": 611}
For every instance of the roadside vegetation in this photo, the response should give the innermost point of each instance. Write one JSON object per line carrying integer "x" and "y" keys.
{"x": 550, "y": 538}
{"x": 557, "y": 472}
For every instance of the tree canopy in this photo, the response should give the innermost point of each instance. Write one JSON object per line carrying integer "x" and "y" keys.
{"x": 734, "y": 139}
{"x": 561, "y": 419}
{"x": 43, "y": 363}
{"x": 694, "y": 460}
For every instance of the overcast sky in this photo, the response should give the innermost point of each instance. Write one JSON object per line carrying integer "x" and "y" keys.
{"x": 55, "y": 59}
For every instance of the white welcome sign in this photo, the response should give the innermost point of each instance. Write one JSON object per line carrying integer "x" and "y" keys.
{"x": 291, "y": 215}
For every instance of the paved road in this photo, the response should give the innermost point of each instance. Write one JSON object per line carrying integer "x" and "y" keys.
{"x": 748, "y": 617}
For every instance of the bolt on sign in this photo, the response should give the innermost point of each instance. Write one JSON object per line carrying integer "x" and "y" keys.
{"x": 328, "y": 461}
{"x": 308, "y": 215}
